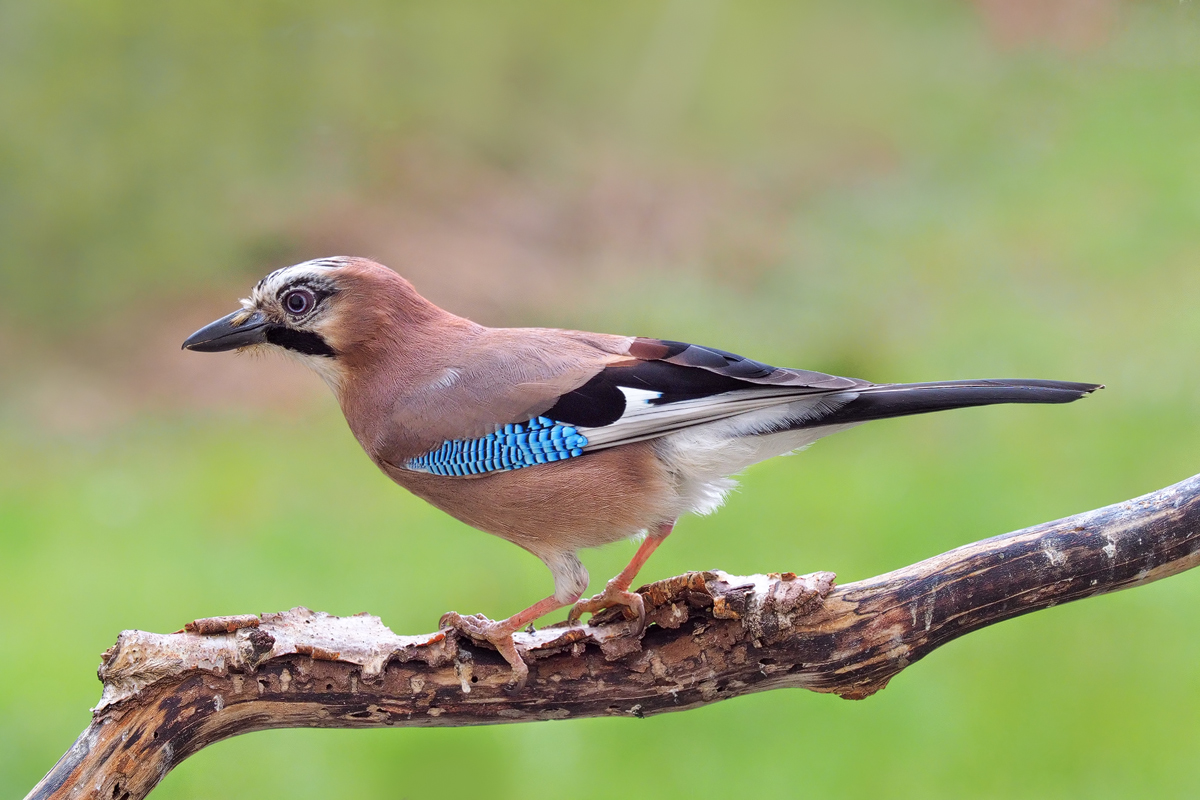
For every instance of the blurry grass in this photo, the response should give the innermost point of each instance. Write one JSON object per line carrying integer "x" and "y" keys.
{"x": 949, "y": 208}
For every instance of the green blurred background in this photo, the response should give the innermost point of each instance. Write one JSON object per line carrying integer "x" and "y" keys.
{"x": 916, "y": 191}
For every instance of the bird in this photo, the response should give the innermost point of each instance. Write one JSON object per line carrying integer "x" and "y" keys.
{"x": 557, "y": 440}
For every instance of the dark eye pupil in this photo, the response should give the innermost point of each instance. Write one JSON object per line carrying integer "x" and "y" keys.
{"x": 297, "y": 302}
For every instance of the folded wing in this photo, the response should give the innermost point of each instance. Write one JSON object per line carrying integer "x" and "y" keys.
{"x": 664, "y": 387}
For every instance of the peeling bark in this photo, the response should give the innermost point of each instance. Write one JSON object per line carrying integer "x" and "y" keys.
{"x": 711, "y": 636}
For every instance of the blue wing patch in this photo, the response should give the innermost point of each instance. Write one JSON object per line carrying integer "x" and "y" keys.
{"x": 539, "y": 441}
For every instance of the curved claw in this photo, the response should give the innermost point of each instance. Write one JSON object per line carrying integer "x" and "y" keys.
{"x": 611, "y": 596}
{"x": 498, "y": 634}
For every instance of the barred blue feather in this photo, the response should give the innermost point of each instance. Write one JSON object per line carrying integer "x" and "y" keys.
{"x": 538, "y": 441}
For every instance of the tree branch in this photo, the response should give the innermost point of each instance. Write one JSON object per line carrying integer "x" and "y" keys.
{"x": 713, "y": 636}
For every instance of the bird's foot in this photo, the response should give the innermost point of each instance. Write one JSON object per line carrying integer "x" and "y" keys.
{"x": 614, "y": 594}
{"x": 499, "y": 633}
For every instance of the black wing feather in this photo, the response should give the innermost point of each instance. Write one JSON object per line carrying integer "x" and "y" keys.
{"x": 680, "y": 371}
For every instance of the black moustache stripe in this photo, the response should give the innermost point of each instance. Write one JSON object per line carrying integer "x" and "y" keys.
{"x": 306, "y": 342}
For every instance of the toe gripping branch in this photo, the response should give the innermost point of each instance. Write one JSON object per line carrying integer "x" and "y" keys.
{"x": 621, "y": 617}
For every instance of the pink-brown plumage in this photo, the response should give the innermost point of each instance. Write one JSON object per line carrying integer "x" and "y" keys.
{"x": 557, "y": 508}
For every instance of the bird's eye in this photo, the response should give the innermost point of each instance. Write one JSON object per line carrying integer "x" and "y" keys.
{"x": 299, "y": 302}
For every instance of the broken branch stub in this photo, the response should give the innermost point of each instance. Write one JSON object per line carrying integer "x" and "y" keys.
{"x": 712, "y": 636}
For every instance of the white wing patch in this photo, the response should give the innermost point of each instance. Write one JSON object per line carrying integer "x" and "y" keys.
{"x": 638, "y": 397}
{"x": 645, "y": 420}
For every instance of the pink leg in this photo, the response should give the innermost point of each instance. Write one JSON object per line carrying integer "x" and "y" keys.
{"x": 500, "y": 633}
{"x": 616, "y": 592}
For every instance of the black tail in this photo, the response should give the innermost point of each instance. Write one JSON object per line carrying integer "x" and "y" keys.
{"x": 902, "y": 399}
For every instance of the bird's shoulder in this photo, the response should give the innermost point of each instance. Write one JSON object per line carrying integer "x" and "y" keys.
{"x": 495, "y": 377}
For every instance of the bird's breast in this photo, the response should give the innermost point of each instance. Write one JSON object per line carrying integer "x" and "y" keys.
{"x": 586, "y": 501}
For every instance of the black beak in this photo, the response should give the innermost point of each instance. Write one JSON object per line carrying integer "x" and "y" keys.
{"x": 230, "y": 332}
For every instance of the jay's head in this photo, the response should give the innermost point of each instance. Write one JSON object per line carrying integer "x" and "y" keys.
{"x": 329, "y": 313}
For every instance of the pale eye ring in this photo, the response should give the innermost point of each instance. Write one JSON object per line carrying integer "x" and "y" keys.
{"x": 299, "y": 302}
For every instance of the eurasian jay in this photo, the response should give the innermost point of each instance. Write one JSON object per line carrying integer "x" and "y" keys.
{"x": 557, "y": 440}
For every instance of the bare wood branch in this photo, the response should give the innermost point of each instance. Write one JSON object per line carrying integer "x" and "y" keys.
{"x": 713, "y": 636}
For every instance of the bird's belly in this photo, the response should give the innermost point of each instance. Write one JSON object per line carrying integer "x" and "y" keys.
{"x": 587, "y": 501}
